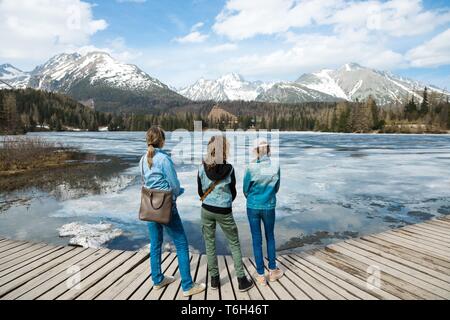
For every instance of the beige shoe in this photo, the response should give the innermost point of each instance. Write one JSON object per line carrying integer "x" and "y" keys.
{"x": 196, "y": 289}
{"x": 164, "y": 283}
{"x": 275, "y": 275}
{"x": 261, "y": 280}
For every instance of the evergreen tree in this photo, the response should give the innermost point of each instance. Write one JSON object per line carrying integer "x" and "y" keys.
{"x": 424, "y": 107}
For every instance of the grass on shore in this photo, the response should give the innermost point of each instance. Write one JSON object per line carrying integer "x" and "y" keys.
{"x": 20, "y": 154}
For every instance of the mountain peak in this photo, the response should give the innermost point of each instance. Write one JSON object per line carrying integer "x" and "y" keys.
{"x": 232, "y": 77}
{"x": 352, "y": 66}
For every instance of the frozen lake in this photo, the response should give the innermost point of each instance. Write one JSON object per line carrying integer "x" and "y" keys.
{"x": 333, "y": 186}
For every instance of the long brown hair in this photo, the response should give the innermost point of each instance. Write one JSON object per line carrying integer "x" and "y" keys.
{"x": 217, "y": 153}
{"x": 156, "y": 137}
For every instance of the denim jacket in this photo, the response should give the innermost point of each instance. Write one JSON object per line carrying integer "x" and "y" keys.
{"x": 220, "y": 200}
{"x": 262, "y": 183}
{"x": 162, "y": 175}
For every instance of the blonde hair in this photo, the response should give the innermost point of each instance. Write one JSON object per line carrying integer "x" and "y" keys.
{"x": 156, "y": 137}
{"x": 217, "y": 153}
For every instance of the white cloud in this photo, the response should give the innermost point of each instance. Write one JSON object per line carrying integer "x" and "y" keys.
{"x": 222, "y": 48}
{"x": 315, "y": 51}
{"x": 193, "y": 37}
{"x": 37, "y": 29}
{"x": 432, "y": 53}
{"x": 197, "y": 26}
{"x": 131, "y": 1}
{"x": 243, "y": 19}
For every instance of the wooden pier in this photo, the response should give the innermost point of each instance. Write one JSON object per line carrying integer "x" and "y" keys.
{"x": 407, "y": 263}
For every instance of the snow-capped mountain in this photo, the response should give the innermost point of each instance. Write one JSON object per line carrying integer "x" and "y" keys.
{"x": 227, "y": 88}
{"x": 13, "y": 76}
{"x": 350, "y": 82}
{"x": 96, "y": 76}
{"x": 63, "y": 71}
{"x": 353, "y": 82}
{"x": 291, "y": 92}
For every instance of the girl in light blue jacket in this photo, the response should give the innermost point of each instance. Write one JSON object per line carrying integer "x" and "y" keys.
{"x": 261, "y": 184}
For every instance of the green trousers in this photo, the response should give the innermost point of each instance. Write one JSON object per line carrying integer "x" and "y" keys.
{"x": 229, "y": 228}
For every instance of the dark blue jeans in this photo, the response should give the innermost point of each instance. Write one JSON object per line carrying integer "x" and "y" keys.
{"x": 176, "y": 232}
{"x": 267, "y": 217}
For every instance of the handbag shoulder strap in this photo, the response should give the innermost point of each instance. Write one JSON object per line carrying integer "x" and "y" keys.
{"x": 210, "y": 189}
{"x": 142, "y": 171}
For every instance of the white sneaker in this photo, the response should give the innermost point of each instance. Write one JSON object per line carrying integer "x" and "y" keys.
{"x": 196, "y": 289}
{"x": 164, "y": 283}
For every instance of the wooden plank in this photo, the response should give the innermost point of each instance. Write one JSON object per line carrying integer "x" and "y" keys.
{"x": 111, "y": 292}
{"x": 431, "y": 228}
{"x": 443, "y": 252}
{"x": 293, "y": 289}
{"x": 325, "y": 286}
{"x": 406, "y": 254}
{"x": 266, "y": 292}
{"x": 234, "y": 282}
{"x": 58, "y": 290}
{"x": 226, "y": 288}
{"x": 195, "y": 264}
{"x": 20, "y": 253}
{"x": 23, "y": 257}
{"x": 396, "y": 265}
{"x": 112, "y": 277}
{"x": 445, "y": 224}
{"x": 394, "y": 272}
{"x": 14, "y": 280}
{"x": 339, "y": 277}
{"x": 438, "y": 225}
{"x": 383, "y": 292}
{"x": 332, "y": 279}
{"x": 147, "y": 286}
{"x": 20, "y": 268}
{"x": 427, "y": 233}
{"x": 440, "y": 245}
{"x": 279, "y": 290}
{"x": 312, "y": 287}
{"x": 97, "y": 276}
{"x": 91, "y": 256}
{"x": 36, "y": 285}
{"x": 388, "y": 283}
{"x": 401, "y": 241}
{"x": 13, "y": 246}
{"x": 171, "y": 291}
{"x": 202, "y": 277}
{"x": 410, "y": 249}
{"x": 130, "y": 283}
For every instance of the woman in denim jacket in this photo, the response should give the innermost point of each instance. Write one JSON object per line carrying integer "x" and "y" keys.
{"x": 261, "y": 184}
{"x": 159, "y": 173}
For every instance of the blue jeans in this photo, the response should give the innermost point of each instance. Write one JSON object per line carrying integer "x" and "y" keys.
{"x": 255, "y": 216}
{"x": 176, "y": 232}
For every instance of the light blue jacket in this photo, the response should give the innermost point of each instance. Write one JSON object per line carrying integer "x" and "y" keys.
{"x": 221, "y": 196}
{"x": 262, "y": 183}
{"x": 162, "y": 175}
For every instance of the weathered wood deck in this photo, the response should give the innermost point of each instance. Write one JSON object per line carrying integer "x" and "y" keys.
{"x": 413, "y": 263}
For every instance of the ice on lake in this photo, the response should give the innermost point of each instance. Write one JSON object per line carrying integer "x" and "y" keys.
{"x": 333, "y": 186}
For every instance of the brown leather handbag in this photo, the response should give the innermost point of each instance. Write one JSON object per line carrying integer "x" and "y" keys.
{"x": 156, "y": 205}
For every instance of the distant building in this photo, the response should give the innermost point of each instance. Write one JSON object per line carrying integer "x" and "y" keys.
{"x": 89, "y": 103}
{"x": 219, "y": 116}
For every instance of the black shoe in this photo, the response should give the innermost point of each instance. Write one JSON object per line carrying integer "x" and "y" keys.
{"x": 215, "y": 282}
{"x": 245, "y": 284}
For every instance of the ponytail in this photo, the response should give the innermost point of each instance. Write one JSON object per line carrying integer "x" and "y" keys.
{"x": 150, "y": 155}
{"x": 155, "y": 139}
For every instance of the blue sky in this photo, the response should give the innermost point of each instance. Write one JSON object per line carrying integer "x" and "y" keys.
{"x": 181, "y": 41}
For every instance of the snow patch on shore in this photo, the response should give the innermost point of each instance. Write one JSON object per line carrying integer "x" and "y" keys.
{"x": 89, "y": 235}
